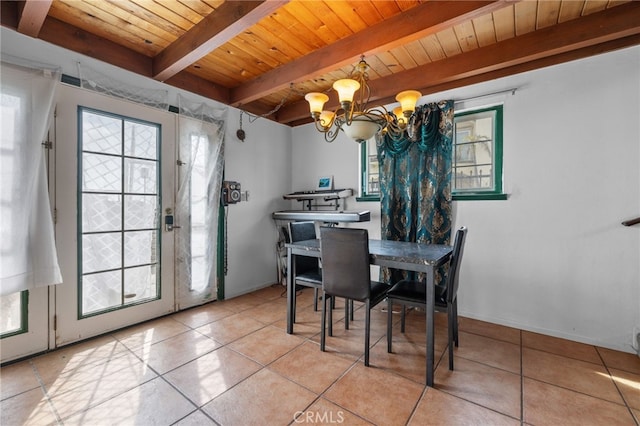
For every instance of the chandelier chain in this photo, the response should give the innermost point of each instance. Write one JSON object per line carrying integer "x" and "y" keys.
{"x": 254, "y": 117}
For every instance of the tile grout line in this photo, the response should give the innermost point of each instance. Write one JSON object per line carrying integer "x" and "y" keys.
{"x": 624, "y": 402}
{"x": 46, "y": 393}
{"x": 193, "y": 412}
{"x": 350, "y": 368}
{"x": 617, "y": 387}
{"x": 321, "y": 395}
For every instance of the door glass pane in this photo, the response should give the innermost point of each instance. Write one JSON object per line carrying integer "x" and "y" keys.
{"x": 102, "y": 212}
{"x": 101, "y": 291}
{"x": 11, "y": 320}
{"x": 140, "y": 140}
{"x": 101, "y": 133}
{"x": 101, "y": 173}
{"x": 140, "y": 283}
{"x": 141, "y": 211}
{"x": 140, "y": 176}
{"x": 119, "y": 200}
{"x": 199, "y": 204}
{"x": 101, "y": 251}
{"x": 139, "y": 248}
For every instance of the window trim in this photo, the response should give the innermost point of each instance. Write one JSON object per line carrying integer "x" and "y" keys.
{"x": 24, "y": 316}
{"x": 363, "y": 195}
{"x": 498, "y": 176}
{"x": 79, "y": 230}
{"x": 496, "y": 193}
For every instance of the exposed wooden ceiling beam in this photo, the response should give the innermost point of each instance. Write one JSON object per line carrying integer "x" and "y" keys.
{"x": 9, "y": 14}
{"x": 73, "y": 38}
{"x": 572, "y": 55}
{"x": 194, "y": 84}
{"x": 414, "y": 24}
{"x": 615, "y": 23}
{"x": 31, "y": 16}
{"x": 78, "y": 40}
{"x": 220, "y": 26}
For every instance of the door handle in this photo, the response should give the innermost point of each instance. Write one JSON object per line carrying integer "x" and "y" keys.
{"x": 169, "y": 224}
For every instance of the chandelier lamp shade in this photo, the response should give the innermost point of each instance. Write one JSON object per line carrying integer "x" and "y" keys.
{"x": 354, "y": 117}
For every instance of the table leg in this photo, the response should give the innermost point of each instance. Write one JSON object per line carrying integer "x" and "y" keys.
{"x": 430, "y": 324}
{"x": 290, "y": 294}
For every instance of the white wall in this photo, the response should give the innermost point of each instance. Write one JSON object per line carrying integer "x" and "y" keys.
{"x": 262, "y": 164}
{"x": 553, "y": 258}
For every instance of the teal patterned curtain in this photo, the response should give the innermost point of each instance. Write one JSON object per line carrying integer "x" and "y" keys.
{"x": 415, "y": 182}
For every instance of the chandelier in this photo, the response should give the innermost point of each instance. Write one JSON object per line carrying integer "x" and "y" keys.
{"x": 354, "y": 117}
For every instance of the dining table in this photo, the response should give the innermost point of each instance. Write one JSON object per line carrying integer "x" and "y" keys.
{"x": 409, "y": 256}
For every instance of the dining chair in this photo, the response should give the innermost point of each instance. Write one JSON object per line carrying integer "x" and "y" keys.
{"x": 346, "y": 273}
{"x": 308, "y": 270}
{"x": 413, "y": 293}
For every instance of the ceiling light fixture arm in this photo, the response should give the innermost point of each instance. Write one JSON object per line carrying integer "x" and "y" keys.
{"x": 354, "y": 117}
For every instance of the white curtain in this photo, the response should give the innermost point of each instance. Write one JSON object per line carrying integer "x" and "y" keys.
{"x": 28, "y": 256}
{"x": 201, "y": 165}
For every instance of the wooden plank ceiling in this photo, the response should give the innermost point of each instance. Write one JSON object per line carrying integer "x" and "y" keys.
{"x": 263, "y": 56}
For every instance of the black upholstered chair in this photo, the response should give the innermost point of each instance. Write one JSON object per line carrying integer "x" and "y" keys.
{"x": 413, "y": 293}
{"x": 308, "y": 271}
{"x": 346, "y": 273}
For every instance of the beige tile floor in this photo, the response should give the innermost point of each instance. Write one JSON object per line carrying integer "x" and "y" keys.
{"x": 231, "y": 363}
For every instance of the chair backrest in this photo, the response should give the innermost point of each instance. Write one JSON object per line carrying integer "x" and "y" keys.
{"x": 345, "y": 262}
{"x": 302, "y": 231}
{"x": 454, "y": 267}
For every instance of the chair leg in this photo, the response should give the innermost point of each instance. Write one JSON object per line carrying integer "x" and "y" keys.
{"x": 367, "y": 332}
{"x": 402, "y": 320}
{"x": 331, "y": 298}
{"x": 315, "y": 299}
{"x": 450, "y": 330}
{"x": 293, "y": 303}
{"x": 346, "y": 314}
{"x": 324, "y": 322}
{"x": 389, "y": 324}
{"x": 455, "y": 321}
{"x": 351, "y": 307}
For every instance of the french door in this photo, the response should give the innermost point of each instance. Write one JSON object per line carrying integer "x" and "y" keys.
{"x": 113, "y": 188}
{"x": 115, "y": 178}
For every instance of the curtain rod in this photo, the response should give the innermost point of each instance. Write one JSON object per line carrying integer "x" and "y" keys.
{"x": 512, "y": 90}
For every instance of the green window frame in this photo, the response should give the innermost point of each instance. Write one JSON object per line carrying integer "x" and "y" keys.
{"x": 24, "y": 315}
{"x": 126, "y": 265}
{"x": 465, "y": 161}
{"x": 369, "y": 172}
{"x": 477, "y": 155}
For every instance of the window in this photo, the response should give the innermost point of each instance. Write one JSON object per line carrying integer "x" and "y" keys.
{"x": 118, "y": 202}
{"x": 14, "y": 314}
{"x": 477, "y": 158}
{"x": 369, "y": 173}
{"x": 477, "y": 155}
